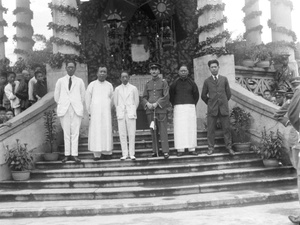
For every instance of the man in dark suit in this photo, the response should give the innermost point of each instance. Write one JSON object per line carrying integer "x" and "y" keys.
{"x": 155, "y": 101}
{"x": 216, "y": 94}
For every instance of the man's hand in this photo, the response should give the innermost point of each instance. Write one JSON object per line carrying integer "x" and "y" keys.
{"x": 149, "y": 105}
{"x": 154, "y": 105}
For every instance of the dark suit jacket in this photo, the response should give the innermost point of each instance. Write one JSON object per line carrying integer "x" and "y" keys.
{"x": 216, "y": 95}
{"x": 294, "y": 110}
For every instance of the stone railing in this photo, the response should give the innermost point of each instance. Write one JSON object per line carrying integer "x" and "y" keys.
{"x": 254, "y": 79}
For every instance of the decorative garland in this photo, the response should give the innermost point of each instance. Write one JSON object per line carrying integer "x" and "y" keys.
{"x": 209, "y": 7}
{"x": 24, "y": 39}
{"x": 3, "y": 9}
{"x": 225, "y": 34}
{"x": 66, "y": 9}
{"x": 60, "y": 41}
{"x": 282, "y": 30}
{"x": 23, "y": 10}
{"x": 211, "y": 26}
{"x": 39, "y": 37}
{"x": 3, "y": 23}
{"x": 285, "y": 2}
{"x": 249, "y": 4}
{"x": 57, "y": 60}
{"x": 212, "y": 51}
{"x": 62, "y": 28}
{"x": 257, "y": 28}
{"x": 3, "y": 39}
{"x": 252, "y": 15}
{"x": 281, "y": 44}
{"x": 20, "y": 51}
{"x": 22, "y": 25}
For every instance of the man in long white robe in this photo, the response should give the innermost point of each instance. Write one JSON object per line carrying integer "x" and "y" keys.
{"x": 98, "y": 101}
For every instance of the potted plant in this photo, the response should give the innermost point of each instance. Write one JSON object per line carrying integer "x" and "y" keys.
{"x": 263, "y": 55}
{"x": 19, "y": 161}
{"x": 240, "y": 123}
{"x": 50, "y": 126}
{"x": 250, "y": 55}
{"x": 269, "y": 147}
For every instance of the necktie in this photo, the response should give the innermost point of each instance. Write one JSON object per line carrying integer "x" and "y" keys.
{"x": 215, "y": 77}
{"x": 70, "y": 83}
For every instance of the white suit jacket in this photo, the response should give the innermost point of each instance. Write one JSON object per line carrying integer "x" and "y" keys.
{"x": 14, "y": 100}
{"x": 65, "y": 97}
{"x": 126, "y": 100}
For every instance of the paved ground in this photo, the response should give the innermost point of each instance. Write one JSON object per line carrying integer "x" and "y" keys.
{"x": 271, "y": 214}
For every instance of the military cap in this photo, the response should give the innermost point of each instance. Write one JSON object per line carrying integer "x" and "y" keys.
{"x": 280, "y": 92}
{"x": 295, "y": 80}
{"x": 154, "y": 65}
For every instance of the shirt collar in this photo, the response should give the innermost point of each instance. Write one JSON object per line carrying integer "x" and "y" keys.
{"x": 213, "y": 76}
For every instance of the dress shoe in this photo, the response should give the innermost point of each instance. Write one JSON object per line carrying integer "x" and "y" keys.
{"x": 179, "y": 154}
{"x": 123, "y": 157}
{"x": 193, "y": 153}
{"x": 294, "y": 219}
{"x": 65, "y": 159}
{"x": 210, "y": 151}
{"x": 166, "y": 155}
{"x": 76, "y": 159}
{"x": 154, "y": 155}
{"x": 97, "y": 158}
{"x": 231, "y": 152}
{"x": 132, "y": 158}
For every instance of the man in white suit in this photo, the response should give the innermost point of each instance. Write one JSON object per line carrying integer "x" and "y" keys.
{"x": 69, "y": 95}
{"x": 126, "y": 101}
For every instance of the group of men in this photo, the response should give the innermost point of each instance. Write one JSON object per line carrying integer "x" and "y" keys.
{"x": 99, "y": 97}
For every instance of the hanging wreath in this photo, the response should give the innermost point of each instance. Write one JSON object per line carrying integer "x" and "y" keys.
{"x": 210, "y": 40}
{"x": 249, "y": 4}
{"x": 24, "y": 39}
{"x": 285, "y": 2}
{"x": 282, "y": 30}
{"x": 60, "y": 41}
{"x": 66, "y": 9}
{"x": 3, "y": 39}
{"x": 3, "y": 23}
{"x": 23, "y": 10}
{"x": 209, "y": 7}
{"x": 211, "y": 26}
{"x": 22, "y": 25}
{"x": 256, "y": 28}
{"x": 63, "y": 28}
{"x": 252, "y": 15}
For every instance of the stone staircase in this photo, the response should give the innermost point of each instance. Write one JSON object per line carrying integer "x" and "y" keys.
{"x": 147, "y": 184}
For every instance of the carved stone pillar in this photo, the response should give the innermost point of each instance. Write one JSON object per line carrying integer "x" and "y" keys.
{"x": 63, "y": 18}
{"x": 281, "y": 26}
{"x": 24, "y": 29}
{"x": 252, "y": 22}
{"x": 212, "y": 15}
{"x": 2, "y": 36}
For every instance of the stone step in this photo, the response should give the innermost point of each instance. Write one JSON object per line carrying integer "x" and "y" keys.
{"x": 146, "y": 135}
{"x": 147, "y": 205}
{"x": 147, "y": 152}
{"x": 147, "y": 180}
{"x": 143, "y": 192}
{"x": 144, "y": 144}
{"x": 145, "y": 170}
{"x": 90, "y": 163}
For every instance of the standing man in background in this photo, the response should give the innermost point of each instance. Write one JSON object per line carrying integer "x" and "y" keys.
{"x": 69, "y": 95}
{"x": 155, "y": 101}
{"x": 126, "y": 101}
{"x": 184, "y": 95}
{"x": 216, "y": 94}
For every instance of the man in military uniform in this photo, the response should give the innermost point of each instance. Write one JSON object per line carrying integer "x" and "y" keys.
{"x": 284, "y": 75}
{"x": 155, "y": 101}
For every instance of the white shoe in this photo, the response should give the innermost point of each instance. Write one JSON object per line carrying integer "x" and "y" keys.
{"x": 132, "y": 157}
{"x": 123, "y": 157}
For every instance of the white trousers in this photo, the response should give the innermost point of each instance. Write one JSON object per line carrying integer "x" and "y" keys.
{"x": 70, "y": 124}
{"x": 127, "y": 127}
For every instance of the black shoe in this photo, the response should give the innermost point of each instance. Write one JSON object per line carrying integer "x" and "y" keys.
{"x": 166, "y": 155}
{"x": 76, "y": 159}
{"x": 193, "y": 153}
{"x": 65, "y": 159}
{"x": 231, "y": 152}
{"x": 179, "y": 154}
{"x": 210, "y": 151}
{"x": 154, "y": 155}
{"x": 97, "y": 158}
{"x": 294, "y": 219}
